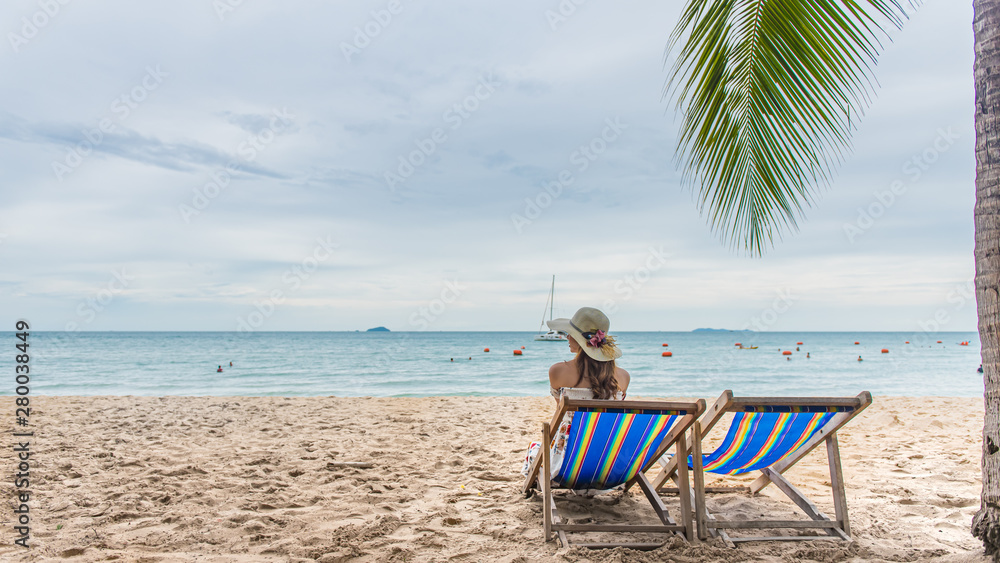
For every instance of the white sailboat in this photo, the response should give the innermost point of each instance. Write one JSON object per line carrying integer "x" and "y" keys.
{"x": 552, "y": 335}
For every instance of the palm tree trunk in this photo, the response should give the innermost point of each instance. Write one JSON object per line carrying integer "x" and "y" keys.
{"x": 986, "y": 24}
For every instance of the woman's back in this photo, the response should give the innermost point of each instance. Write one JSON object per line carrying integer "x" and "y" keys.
{"x": 580, "y": 393}
{"x": 567, "y": 375}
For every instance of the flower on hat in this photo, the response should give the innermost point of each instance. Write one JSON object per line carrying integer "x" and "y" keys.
{"x": 598, "y": 339}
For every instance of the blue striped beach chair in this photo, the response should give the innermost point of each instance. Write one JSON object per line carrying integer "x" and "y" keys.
{"x": 769, "y": 435}
{"x": 612, "y": 443}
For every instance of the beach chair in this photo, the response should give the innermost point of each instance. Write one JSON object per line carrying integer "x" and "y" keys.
{"x": 613, "y": 443}
{"x": 769, "y": 435}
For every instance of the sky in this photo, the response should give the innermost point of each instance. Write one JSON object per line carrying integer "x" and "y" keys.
{"x": 250, "y": 165}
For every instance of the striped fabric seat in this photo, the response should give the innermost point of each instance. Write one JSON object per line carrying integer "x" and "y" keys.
{"x": 761, "y": 439}
{"x": 768, "y": 435}
{"x": 611, "y": 443}
{"x": 607, "y": 447}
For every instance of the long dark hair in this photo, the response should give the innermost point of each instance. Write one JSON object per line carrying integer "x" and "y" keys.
{"x": 599, "y": 375}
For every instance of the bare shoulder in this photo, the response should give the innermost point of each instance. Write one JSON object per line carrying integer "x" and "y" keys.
{"x": 562, "y": 374}
{"x": 623, "y": 378}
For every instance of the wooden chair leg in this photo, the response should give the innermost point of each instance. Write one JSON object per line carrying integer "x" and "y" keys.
{"x": 803, "y": 503}
{"x": 654, "y": 500}
{"x": 701, "y": 512}
{"x": 708, "y": 531}
{"x": 682, "y": 484}
{"x": 546, "y": 478}
{"x": 667, "y": 470}
{"x": 837, "y": 482}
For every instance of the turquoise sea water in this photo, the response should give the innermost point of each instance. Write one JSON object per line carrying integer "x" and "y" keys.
{"x": 419, "y": 363}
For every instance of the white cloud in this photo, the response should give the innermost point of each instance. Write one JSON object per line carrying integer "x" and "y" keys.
{"x": 324, "y": 176}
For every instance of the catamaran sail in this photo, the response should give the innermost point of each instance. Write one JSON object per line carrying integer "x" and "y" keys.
{"x": 552, "y": 335}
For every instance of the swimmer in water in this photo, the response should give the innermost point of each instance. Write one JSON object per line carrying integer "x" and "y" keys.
{"x": 219, "y": 370}
{"x": 859, "y": 359}
{"x": 230, "y": 364}
{"x": 807, "y": 355}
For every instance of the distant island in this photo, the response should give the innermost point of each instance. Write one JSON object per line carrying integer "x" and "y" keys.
{"x": 719, "y": 330}
{"x": 378, "y": 329}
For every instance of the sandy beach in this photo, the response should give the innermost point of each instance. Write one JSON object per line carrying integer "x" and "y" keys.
{"x": 251, "y": 479}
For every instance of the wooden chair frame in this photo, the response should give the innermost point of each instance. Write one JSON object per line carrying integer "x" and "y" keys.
{"x": 838, "y": 528}
{"x": 541, "y": 472}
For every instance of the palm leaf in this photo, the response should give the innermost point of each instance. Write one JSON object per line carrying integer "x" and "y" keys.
{"x": 769, "y": 91}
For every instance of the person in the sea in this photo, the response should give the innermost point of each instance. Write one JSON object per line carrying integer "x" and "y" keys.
{"x": 591, "y": 374}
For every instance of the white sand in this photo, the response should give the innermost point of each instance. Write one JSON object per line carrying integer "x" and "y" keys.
{"x": 246, "y": 479}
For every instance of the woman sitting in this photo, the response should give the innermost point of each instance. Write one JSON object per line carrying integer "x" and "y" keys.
{"x": 595, "y": 368}
{"x": 592, "y": 374}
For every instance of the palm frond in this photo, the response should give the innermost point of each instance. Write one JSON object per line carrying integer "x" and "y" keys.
{"x": 770, "y": 91}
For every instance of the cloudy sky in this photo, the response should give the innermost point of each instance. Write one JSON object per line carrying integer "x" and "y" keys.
{"x": 203, "y": 165}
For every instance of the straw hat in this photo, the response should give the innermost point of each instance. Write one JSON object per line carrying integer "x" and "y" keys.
{"x": 584, "y": 327}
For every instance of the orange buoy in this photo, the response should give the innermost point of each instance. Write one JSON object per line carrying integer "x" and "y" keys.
{"x": 938, "y": 341}
{"x": 518, "y": 353}
{"x": 964, "y": 344}
{"x": 522, "y": 347}
{"x": 798, "y": 344}
{"x": 907, "y": 341}
{"x": 885, "y": 350}
{"x": 739, "y": 344}
{"x": 486, "y": 349}
{"x": 664, "y": 344}
{"x": 786, "y": 353}
{"x": 667, "y": 354}
{"x": 856, "y": 343}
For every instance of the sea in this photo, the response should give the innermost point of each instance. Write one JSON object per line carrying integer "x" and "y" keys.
{"x": 416, "y": 364}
